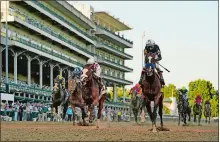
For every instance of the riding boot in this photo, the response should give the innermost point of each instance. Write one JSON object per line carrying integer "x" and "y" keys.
{"x": 65, "y": 97}
{"x": 141, "y": 78}
{"x": 161, "y": 78}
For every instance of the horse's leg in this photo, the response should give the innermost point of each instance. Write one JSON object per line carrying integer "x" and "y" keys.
{"x": 148, "y": 106}
{"x": 161, "y": 113}
{"x": 199, "y": 119}
{"x": 83, "y": 115}
{"x": 65, "y": 107}
{"x": 179, "y": 118}
{"x": 194, "y": 117}
{"x": 184, "y": 117}
{"x": 74, "y": 116}
{"x": 101, "y": 102}
{"x": 209, "y": 116}
{"x": 189, "y": 115}
{"x": 205, "y": 119}
{"x": 56, "y": 109}
{"x": 154, "y": 118}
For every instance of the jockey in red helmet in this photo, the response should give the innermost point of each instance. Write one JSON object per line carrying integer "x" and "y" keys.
{"x": 198, "y": 99}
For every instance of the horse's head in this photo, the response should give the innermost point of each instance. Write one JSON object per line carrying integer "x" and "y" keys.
{"x": 150, "y": 57}
{"x": 86, "y": 74}
{"x": 133, "y": 94}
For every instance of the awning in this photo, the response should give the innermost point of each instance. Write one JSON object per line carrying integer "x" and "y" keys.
{"x": 118, "y": 25}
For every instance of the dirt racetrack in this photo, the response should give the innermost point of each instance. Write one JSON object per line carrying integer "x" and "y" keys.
{"x": 117, "y": 131}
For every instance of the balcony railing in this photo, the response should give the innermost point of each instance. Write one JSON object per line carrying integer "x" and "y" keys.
{"x": 115, "y": 50}
{"x": 43, "y": 49}
{"x": 49, "y": 31}
{"x": 27, "y": 89}
{"x": 117, "y": 64}
{"x": 131, "y": 42}
{"x": 62, "y": 18}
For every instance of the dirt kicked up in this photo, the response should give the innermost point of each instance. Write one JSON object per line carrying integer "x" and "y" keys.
{"x": 116, "y": 131}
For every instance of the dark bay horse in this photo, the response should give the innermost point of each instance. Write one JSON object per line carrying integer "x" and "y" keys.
{"x": 57, "y": 98}
{"x": 184, "y": 109}
{"x": 136, "y": 104}
{"x": 207, "y": 111}
{"x": 151, "y": 88}
{"x": 197, "y": 110}
{"x": 92, "y": 93}
{"x": 76, "y": 99}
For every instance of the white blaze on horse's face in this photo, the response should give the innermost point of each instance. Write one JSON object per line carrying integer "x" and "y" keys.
{"x": 149, "y": 59}
{"x": 83, "y": 76}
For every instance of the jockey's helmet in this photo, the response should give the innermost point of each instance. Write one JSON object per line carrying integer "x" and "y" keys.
{"x": 198, "y": 96}
{"x": 59, "y": 76}
{"x": 137, "y": 85}
{"x": 184, "y": 88}
{"x": 91, "y": 61}
{"x": 150, "y": 42}
{"x": 77, "y": 70}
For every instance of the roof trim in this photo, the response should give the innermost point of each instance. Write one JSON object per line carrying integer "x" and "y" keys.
{"x": 120, "y": 26}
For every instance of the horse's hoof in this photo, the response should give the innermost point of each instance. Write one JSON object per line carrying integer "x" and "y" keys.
{"x": 154, "y": 130}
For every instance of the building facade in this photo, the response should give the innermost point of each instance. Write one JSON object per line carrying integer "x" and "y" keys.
{"x": 47, "y": 38}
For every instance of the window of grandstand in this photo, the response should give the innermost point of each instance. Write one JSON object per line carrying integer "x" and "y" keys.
{"x": 121, "y": 62}
{"x": 113, "y": 73}
{"x": 121, "y": 75}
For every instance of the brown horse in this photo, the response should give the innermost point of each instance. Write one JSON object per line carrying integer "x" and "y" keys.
{"x": 76, "y": 99}
{"x": 92, "y": 93}
{"x": 151, "y": 87}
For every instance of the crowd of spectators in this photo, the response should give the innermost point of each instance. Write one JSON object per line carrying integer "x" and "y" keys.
{"x": 43, "y": 112}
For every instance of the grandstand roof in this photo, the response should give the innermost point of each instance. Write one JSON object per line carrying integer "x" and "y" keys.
{"x": 119, "y": 26}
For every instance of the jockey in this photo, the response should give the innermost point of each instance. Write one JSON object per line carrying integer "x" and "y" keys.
{"x": 184, "y": 91}
{"x": 136, "y": 88}
{"x": 207, "y": 102}
{"x": 154, "y": 48}
{"x": 60, "y": 79}
{"x": 97, "y": 71}
{"x": 76, "y": 72}
{"x": 198, "y": 100}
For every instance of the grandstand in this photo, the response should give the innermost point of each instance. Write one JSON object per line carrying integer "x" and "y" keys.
{"x": 47, "y": 38}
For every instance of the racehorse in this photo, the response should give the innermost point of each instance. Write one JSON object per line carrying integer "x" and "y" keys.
{"x": 76, "y": 99}
{"x": 183, "y": 108}
{"x": 197, "y": 110}
{"x": 58, "y": 98}
{"x": 151, "y": 87}
{"x": 136, "y": 104}
{"x": 207, "y": 111}
{"x": 92, "y": 93}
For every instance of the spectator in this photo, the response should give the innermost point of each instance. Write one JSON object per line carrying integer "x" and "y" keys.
{"x": 69, "y": 113}
{"x": 20, "y": 112}
{"x": 44, "y": 110}
{"x": 119, "y": 116}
